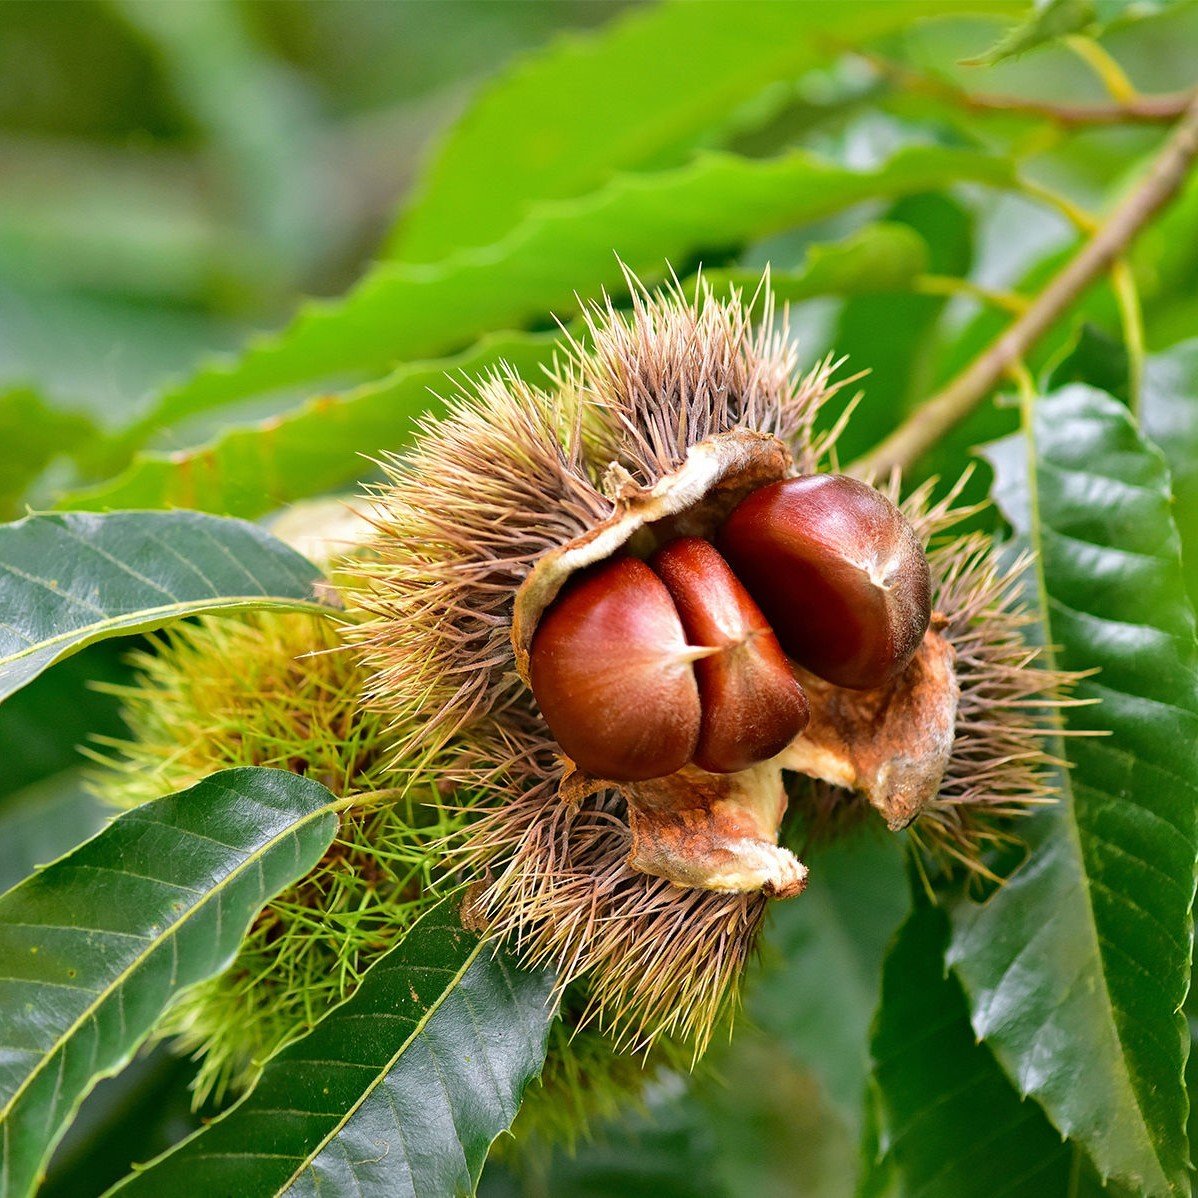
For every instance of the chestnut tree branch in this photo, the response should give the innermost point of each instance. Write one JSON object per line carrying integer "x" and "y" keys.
{"x": 968, "y": 389}
{"x": 1132, "y": 109}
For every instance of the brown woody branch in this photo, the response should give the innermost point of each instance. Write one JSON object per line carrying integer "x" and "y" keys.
{"x": 1145, "y": 110}
{"x": 968, "y": 389}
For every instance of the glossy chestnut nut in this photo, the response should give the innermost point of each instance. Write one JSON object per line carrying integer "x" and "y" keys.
{"x": 752, "y": 704}
{"x": 838, "y": 572}
{"x": 612, "y": 673}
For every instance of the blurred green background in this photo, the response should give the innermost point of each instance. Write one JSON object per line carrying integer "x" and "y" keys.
{"x": 174, "y": 174}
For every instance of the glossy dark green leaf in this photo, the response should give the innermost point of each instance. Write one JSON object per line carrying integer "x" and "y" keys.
{"x": 254, "y": 469}
{"x": 94, "y": 948}
{"x": 399, "y": 1091}
{"x": 563, "y": 250}
{"x": 949, "y": 1122}
{"x": 67, "y": 581}
{"x": 1077, "y": 967}
{"x": 1169, "y": 410}
{"x": 668, "y": 76}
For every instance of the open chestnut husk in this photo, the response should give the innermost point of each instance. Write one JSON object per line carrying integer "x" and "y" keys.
{"x": 634, "y": 755}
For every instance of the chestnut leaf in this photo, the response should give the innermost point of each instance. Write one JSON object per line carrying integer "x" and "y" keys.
{"x": 67, "y": 581}
{"x": 1077, "y": 967}
{"x": 947, "y": 1120}
{"x": 683, "y": 72}
{"x": 95, "y": 947}
{"x": 563, "y": 250}
{"x": 249, "y": 470}
{"x": 399, "y": 1090}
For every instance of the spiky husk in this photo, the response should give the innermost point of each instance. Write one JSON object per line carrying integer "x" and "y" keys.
{"x": 1002, "y": 766}
{"x": 278, "y": 690}
{"x": 516, "y": 475}
{"x": 274, "y": 690}
{"x": 512, "y": 473}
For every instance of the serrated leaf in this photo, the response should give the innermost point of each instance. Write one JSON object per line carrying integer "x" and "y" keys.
{"x": 71, "y": 580}
{"x": 400, "y": 1090}
{"x": 251, "y": 470}
{"x": 563, "y": 250}
{"x": 1077, "y": 967}
{"x": 1050, "y": 20}
{"x": 667, "y": 76}
{"x": 95, "y": 947}
{"x": 949, "y": 1122}
{"x": 1047, "y": 21}
{"x": 881, "y": 257}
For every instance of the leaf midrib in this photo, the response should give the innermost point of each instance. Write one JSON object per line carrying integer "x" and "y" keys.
{"x": 156, "y": 943}
{"x": 1067, "y": 788}
{"x": 198, "y": 606}
{"x": 382, "y": 1073}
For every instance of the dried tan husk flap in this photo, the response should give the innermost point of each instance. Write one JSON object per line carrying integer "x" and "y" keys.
{"x": 716, "y": 475}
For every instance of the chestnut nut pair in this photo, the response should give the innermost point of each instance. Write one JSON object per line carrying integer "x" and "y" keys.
{"x": 640, "y": 668}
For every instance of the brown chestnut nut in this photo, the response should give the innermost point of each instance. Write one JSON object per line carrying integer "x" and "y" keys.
{"x": 753, "y": 706}
{"x": 839, "y": 573}
{"x": 611, "y": 671}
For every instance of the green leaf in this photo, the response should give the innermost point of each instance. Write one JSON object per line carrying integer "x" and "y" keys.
{"x": 42, "y": 432}
{"x": 400, "y": 1090}
{"x": 1169, "y": 409}
{"x": 67, "y": 581}
{"x": 882, "y": 257}
{"x": 94, "y": 948}
{"x": 667, "y": 76}
{"x": 1053, "y": 19}
{"x": 43, "y": 821}
{"x": 252, "y": 470}
{"x": 564, "y": 250}
{"x": 949, "y": 1122}
{"x": 823, "y": 962}
{"x": 1048, "y": 20}
{"x": 1077, "y": 967}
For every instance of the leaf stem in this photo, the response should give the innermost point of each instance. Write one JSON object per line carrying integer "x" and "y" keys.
{"x": 1010, "y": 302}
{"x": 1131, "y": 315}
{"x": 968, "y": 389}
{"x": 1119, "y": 87}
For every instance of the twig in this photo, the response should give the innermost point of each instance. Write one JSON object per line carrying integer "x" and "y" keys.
{"x": 1139, "y": 109}
{"x": 965, "y": 392}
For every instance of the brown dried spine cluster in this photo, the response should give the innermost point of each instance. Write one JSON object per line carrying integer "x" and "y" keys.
{"x": 653, "y": 440}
